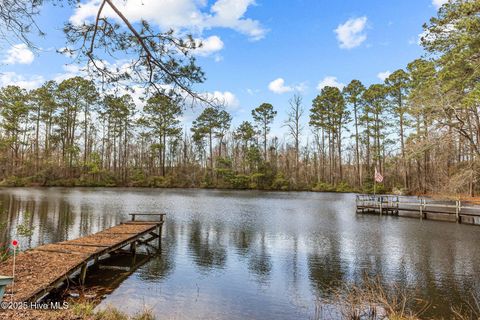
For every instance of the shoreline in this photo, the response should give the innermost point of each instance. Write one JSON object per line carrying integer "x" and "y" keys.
{"x": 439, "y": 196}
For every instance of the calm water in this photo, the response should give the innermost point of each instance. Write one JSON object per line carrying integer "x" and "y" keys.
{"x": 251, "y": 255}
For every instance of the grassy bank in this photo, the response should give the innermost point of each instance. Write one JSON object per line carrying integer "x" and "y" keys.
{"x": 232, "y": 182}
{"x": 248, "y": 183}
{"x": 76, "y": 311}
{"x": 371, "y": 300}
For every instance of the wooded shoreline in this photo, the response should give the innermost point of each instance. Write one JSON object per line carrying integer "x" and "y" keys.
{"x": 419, "y": 128}
{"x": 439, "y": 196}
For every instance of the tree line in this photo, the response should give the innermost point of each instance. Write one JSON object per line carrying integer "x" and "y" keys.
{"x": 420, "y": 129}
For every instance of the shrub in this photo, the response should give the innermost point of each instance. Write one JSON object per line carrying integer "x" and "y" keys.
{"x": 158, "y": 182}
{"x": 5, "y": 252}
{"x": 280, "y": 183}
{"x": 14, "y": 181}
{"x": 324, "y": 187}
{"x": 240, "y": 181}
{"x": 343, "y": 187}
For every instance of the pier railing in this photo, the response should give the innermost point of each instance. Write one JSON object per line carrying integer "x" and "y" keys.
{"x": 424, "y": 207}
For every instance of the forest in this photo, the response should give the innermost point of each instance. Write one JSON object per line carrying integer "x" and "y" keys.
{"x": 420, "y": 129}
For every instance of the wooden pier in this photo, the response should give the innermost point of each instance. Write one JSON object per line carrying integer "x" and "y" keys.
{"x": 423, "y": 208}
{"x": 45, "y": 268}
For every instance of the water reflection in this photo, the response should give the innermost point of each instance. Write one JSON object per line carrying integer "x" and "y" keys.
{"x": 237, "y": 255}
{"x": 206, "y": 247}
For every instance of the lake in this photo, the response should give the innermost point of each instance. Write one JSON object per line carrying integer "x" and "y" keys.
{"x": 252, "y": 254}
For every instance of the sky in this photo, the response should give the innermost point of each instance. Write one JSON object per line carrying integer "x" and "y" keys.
{"x": 254, "y": 51}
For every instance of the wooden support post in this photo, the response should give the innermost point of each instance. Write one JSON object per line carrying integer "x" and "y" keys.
{"x": 134, "y": 259}
{"x": 83, "y": 273}
{"x": 381, "y": 201}
{"x": 356, "y": 203}
{"x": 159, "y": 231}
{"x": 424, "y": 209}
{"x": 398, "y": 202}
{"x": 457, "y": 211}
{"x": 421, "y": 209}
{"x": 133, "y": 247}
{"x": 159, "y": 239}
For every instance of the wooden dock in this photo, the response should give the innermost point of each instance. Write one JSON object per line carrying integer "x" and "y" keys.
{"x": 423, "y": 208}
{"x": 45, "y": 268}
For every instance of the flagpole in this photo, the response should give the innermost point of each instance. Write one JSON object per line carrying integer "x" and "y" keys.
{"x": 14, "y": 242}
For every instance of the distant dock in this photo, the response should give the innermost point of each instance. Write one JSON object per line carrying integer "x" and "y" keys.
{"x": 453, "y": 211}
{"x": 41, "y": 270}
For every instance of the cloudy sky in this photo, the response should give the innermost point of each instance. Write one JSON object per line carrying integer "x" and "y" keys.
{"x": 254, "y": 51}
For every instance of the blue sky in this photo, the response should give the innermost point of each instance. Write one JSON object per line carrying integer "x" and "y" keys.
{"x": 255, "y": 51}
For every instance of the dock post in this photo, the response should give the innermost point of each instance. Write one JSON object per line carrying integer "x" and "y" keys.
{"x": 134, "y": 259}
{"x": 381, "y": 201}
{"x": 83, "y": 273}
{"x": 398, "y": 203}
{"x": 133, "y": 247}
{"x": 159, "y": 232}
{"x": 421, "y": 209}
{"x": 457, "y": 211}
{"x": 424, "y": 208}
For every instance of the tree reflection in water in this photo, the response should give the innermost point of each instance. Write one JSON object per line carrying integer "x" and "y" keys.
{"x": 206, "y": 245}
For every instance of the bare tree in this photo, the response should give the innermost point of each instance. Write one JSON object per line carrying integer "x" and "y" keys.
{"x": 293, "y": 123}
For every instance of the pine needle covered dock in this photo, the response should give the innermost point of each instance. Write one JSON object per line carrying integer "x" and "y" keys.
{"x": 40, "y": 270}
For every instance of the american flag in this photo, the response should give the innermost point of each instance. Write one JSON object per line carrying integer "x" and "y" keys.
{"x": 378, "y": 176}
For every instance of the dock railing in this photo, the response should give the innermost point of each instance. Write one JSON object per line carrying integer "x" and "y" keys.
{"x": 393, "y": 204}
{"x": 161, "y": 216}
{"x": 378, "y": 203}
{"x": 157, "y": 235}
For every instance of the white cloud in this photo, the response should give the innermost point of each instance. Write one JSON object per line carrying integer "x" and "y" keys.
{"x": 383, "y": 75}
{"x": 191, "y": 15}
{"x": 226, "y": 99}
{"x": 120, "y": 66}
{"x": 229, "y": 14}
{"x": 70, "y": 71}
{"x": 443, "y": 31}
{"x": 210, "y": 45}
{"x": 439, "y": 3}
{"x": 351, "y": 33}
{"x": 14, "y": 79}
{"x": 136, "y": 92}
{"x": 19, "y": 53}
{"x": 278, "y": 86}
{"x": 66, "y": 51}
{"x": 330, "y": 81}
